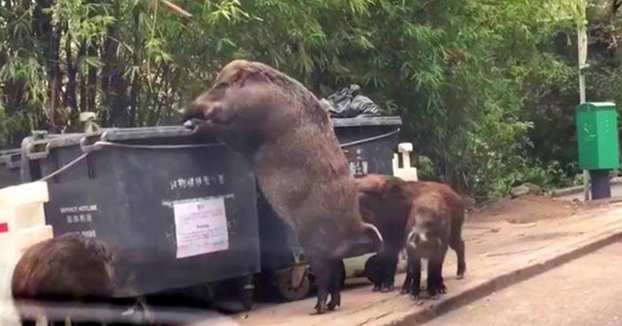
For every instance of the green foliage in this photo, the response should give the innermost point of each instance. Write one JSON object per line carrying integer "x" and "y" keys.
{"x": 474, "y": 80}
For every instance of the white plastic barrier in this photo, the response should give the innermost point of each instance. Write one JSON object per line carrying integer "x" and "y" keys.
{"x": 22, "y": 224}
{"x": 407, "y": 171}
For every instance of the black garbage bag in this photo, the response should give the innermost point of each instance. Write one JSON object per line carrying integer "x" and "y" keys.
{"x": 347, "y": 103}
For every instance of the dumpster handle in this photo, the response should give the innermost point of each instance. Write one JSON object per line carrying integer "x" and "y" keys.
{"x": 370, "y": 139}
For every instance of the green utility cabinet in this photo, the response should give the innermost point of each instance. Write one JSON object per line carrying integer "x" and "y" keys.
{"x": 597, "y": 133}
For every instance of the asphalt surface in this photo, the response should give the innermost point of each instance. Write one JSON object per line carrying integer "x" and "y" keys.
{"x": 586, "y": 291}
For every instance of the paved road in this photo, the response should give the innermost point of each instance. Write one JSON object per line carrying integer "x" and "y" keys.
{"x": 586, "y": 291}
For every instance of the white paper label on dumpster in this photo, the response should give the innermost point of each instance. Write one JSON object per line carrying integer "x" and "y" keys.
{"x": 201, "y": 227}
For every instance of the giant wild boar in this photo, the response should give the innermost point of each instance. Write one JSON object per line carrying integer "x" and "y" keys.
{"x": 71, "y": 268}
{"x": 435, "y": 222}
{"x": 288, "y": 138}
{"x": 385, "y": 202}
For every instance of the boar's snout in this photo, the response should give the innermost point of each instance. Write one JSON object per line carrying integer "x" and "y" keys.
{"x": 193, "y": 111}
{"x": 423, "y": 242}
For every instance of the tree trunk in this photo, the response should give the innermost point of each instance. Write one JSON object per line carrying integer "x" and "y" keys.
{"x": 49, "y": 39}
{"x": 70, "y": 92}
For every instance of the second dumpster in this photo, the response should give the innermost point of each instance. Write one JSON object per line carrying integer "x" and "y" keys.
{"x": 368, "y": 144}
{"x": 9, "y": 167}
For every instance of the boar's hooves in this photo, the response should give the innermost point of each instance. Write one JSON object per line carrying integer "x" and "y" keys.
{"x": 459, "y": 276}
{"x": 376, "y": 288}
{"x": 320, "y": 309}
{"x": 415, "y": 297}
{"x": 333, "y": 304}
{"x": 404, "y": 291}
{"x": 434, "y": 297}
{"x": 387, "y": 288}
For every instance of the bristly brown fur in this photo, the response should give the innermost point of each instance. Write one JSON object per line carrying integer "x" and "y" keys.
{"x": 71, "y": 268}
{"x": 439, "y": 209}
{"x": 385, "y": 202}
{"x": 287, "y": 137}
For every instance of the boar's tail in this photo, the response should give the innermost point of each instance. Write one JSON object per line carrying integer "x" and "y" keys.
{"x": 367, "y": 239}
{"x": 374, "y": 236}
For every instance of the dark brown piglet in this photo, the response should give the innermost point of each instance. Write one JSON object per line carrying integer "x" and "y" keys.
{"x": 385, "y": 202}
{"x": 68, "y": 269}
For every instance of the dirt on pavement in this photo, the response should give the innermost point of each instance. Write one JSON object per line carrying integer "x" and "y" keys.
{"x": 526, "y": 209}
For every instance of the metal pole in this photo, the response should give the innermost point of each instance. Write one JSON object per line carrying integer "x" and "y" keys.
{"x": 582, "y": 65}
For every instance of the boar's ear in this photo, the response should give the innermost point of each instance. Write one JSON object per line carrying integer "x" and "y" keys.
{"x": 242, "y": 75}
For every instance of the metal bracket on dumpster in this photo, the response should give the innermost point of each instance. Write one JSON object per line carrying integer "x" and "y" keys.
{"x": 89, "y": 147}
{"x": 33, "y": 154}
{"x": 39, "y": 134}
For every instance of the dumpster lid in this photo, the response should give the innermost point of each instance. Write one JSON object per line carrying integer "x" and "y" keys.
{"x": 121, "y": 134}
{"x": 55, "y": 140}
{"x": 110, "y": 134}
{"x": 367, "y": 121}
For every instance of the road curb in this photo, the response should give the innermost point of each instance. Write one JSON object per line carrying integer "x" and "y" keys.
{"x": 579, "y": 189}
{"x": 533, "y": 267}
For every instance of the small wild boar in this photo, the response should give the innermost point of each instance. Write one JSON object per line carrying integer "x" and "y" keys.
{"x": 435, "y": 222}
{"x": 288, "y": 139}
{"x": 69, "y": 269}
{"x": 385, "y": 202}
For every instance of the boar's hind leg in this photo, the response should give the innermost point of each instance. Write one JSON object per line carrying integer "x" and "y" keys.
{"x": 388, "y": 270}
{"x": 323, "y": 271}
{"x": 373, "y": 271}
{"x": 436, "y": 284}
{"x": 457, "y": 244}
{"x": 28, "y": 322}
{"x": 335, "y": 285}
{"x": 458, "y": 247}
{"x": 408, "y": 279}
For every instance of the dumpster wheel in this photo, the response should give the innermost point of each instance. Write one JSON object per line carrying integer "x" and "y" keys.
{"x": 289, "y": 291}
{"x": 247, "y": 297}
{"x": 343, "y": 272}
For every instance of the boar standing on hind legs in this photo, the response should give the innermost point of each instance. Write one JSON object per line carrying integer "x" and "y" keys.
{"x": 435, "y": 222}
{"x": 289, "y": 141}
{"x": 385, "y": 201}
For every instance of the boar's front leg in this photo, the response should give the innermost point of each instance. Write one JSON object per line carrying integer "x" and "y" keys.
{"x": 436, "y": 284}
{"x": 323, "y": 271}
{"x": 412, "y": 283}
